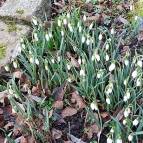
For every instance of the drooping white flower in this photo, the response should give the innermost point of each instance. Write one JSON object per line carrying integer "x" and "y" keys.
{"x": 100, "y": 37}
{"x": 15, "y": 65}
{"x": 59, "y": 23}
{"x": 138, "y": 82}
{"x": 83, "y": 39}
{"x": 34, "y": 20}
{"x": 80, "y": 29}
{"x": 11, "y": 91}
{"x": 136, "y": 18}
{"x": 36, "y": 61}
{"x": 68, "y": 15}
{"x": 62, "y": 33}
{"x": 128, "y": 94}
{"x": 112, "y": 130}
{"x": 87, "y": 41}
{"x": 70, "y": 27}
{"x": 112, "y": 67}
{"x": 124, "y": 122}
{"x": 93, "y": 106}
{"x": 52, "y": 60}
{"x": 125, "y": 98}
{"x": 126, "y": 62}
{"x": 46, "y": 67}
{"x": 31, "y": 59}
{"x": 36, "y": 37}
{"x": 47, "y": 37}
{"x": 107, "y": 57}
{"x": 65, "y": 21}
{"x": 84, "y": 18}
{"x": 112, "y": 31}
{"x": 99, "y": 74}
{"x": 108, "y": 100}
{"x": 130, "y": 137}
{"x": 107, "y": 46}
{"x": 59, "y": 59}
{"x": 97, "y": 57}
{"x": 109, "y": 140}
{"x": 139, "y": 63}
{"x": 50, "y": 35}
{"x": 125, "y": 82}
{"x": 69, "y": 79}
{"x": 134, "y": 74}
{"x": 79, "y": 61}
{"x": 82, "y": 72}
{"x": 131, "y": 7}
{"x": 135, "y": 122}
{"x": 127, "y": 112}
{"x": 23, "y": 46}
{"x": 90, "y": 26}
{"x": 119, "y": 141}
{"x": 68, "y": 66}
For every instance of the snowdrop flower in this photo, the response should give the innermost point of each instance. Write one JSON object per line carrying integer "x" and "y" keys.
{"x": 112, "y": 67}
{"x": 139, "y": 63}
{"x": 52, "y": 60}
{"x": 36, "y": 37}
{"x": 37, "y": 61}
{"x": 59, "y": 23}
{"x": 135, "y": 122}
{"x": 131, "y": 7}
{"x": 112, "y": 130}
{"x": 119, "y": 141}
{"x": 30, "y": 52}
{"x": 68, "y": 66}
{"x": 58, "y": 58}
{"x": 109, "y": 140}
{"x": 50, "y": 35}
{"x": 68, "y": 15}
{"x": 34, "y": 20}
{"x": 93, "y": 106}
{"x": 97, "y": 57}
{"x": 128, "y": 94}
{"x": 107, "y": 57}
{"x": 126, "y": 62}
{"x": 46, "y": 67}
{"x": 136, "y": 18}
{"x": 124, "y": 122}
{"x": 127, "y": 112}
{"x": 130, "y": 137}
{"x": 69, "y": 79}
{"x": 80, "y": 29}
{"x": 108, "y": 100}
{"x": 65, "y": 21}
{"x": 112, "y": 31}
{"x": 138, "y": 82}
{"x": 70, "y": 27}
{"x": 134, "y": 74}
{"x": 62, "y": 33}
{"x": 21, "y": 40}
{"x": 84, "y": 18}
{"x": 82, "y": 72}
{"x": 11, "y": 91}
{"x": 90, "y": 26}
{"x": 100, "y": 37}
{"x": 31, "y": 59}
{"x": 83, "y": 39}
{"x": 79, "y": 61}
{"x": 100, "y": 73}
{"x": 15, "y": 64}
{"x": 107, "y": 46}
{"x": 125, "y": 82}
{"x": 47, "y": 37}
{"x": 125, "y": 98}
{"x": 87, "y": 41}
{"x": 23, "y": 46}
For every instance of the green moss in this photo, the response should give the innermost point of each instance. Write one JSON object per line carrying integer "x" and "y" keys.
{"x": 11, "y": 26}
{"x": 2, "y": 50}
{"x": 20, "y": 11}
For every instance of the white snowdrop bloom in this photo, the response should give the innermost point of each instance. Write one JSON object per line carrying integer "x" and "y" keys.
{"x": 80, "y": 29}
{"x": 109, "y": 140}
{"x": 30, "y": 52}
{"x": 139, "y": 63}
{"x": 71, "y": 29}
{"x": 108, "y": 101}
{"x": 68, "y": 66}
{"x": 36, "y": 61}
{"x": 125, "y": 98}
{"x": 47, "y": 37}
{"x": 31, "y": 59}
{"x": 128, "y": 94}
{"x": 79, "y": 61}
{"x": 87, "y": 41}
{"x": 93, "y": 106}
{"x": 126, "y": 62}
{"x": 15, "y": 65}
{"x": 107, "y": 57}
{"x": 23, "y": 46}
{"x": 119, "y": 141}
{"x": 59, "y": 59}
{"x": 125, "y": 82}
{"x": 83, "y": 61}
{"x": 134, "y": 74}
{"x": 59, "y": 23}
{"x": 36, "y": 37}
{"x": 50, "y": 35}
{"x": 126, "y": 114}
{"x": 112, "y": 130}
{"x": 34, "y": 20}
{"x": 83, "y": 39}
{"x": 82, "y": 72}
{"x": 84, "y": 18}
{"x": 10, "y": 91}
{"x": 135, "y": 122}
{"x": 90, "y": 26}
{"x": 131, "y": 7}
{"x": 100, "y": 37}
{"x": 68, "y": 15}
{"x": 92, "y": 58}
{"x": 21, "y": 40}
{"x": 130, "y": 137}
{"x": 69, "y": 79}
{"x": 138, "y": 82}
{"x": 65, "y": 21}
{"x": 112, "y": 67}
{"x": 124, "y": 122}
{"x": 107, "y": 46}
{"x": 97, "y": 57}
{"x": 112, "y": 31}
{"x": 46, "y": 67}
{"x": 62, "y": 33}
{"x": 52, "y": 60}
{"x": 136, "y": 18}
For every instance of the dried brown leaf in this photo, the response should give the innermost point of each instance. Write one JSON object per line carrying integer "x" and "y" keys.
{"x": 68, "y": 111}
{"x": 58, "y": 104}
{"x": 56, "y": 133}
